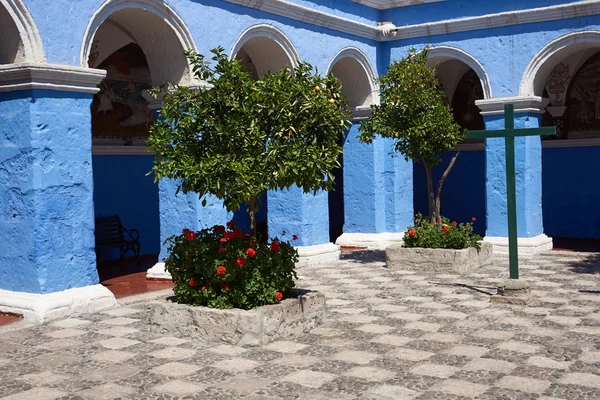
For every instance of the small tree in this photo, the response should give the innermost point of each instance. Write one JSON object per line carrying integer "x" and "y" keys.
{"x": 237, "y": 137}
{"x": 413, "y": 113}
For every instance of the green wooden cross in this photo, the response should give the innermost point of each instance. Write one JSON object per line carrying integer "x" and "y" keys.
{"x": 509, "y": 133}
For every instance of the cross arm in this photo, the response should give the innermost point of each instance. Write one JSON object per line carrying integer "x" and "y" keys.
{"x": 511, "y": 133}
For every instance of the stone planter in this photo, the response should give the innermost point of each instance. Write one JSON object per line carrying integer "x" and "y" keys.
{"x": 241, "y": 327}
{"x": 438, "y": 260}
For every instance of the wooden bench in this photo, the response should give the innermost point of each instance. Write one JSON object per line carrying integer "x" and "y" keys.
{"x": 110, "y": 234}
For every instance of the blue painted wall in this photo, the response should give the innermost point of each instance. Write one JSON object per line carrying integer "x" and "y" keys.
{"x": 463, "y": 193}
{"x": 122, "y": 188}
{"x": 571, "y": 196}
{"x": 47, "y": 221}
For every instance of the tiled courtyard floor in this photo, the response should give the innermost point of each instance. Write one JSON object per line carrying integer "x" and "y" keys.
{"x": 387, "y": 336}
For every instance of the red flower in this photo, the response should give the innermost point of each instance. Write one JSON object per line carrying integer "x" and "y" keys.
{"x": 223, "y": 240}
{"x": 221, "y": 270}
{"x": 219, "y": 229}
{"x": 439, "y": 221}
{"x": 231, "y": 224}
{"x": 251, "y": 252}
{"x": 224, "y": 286}
{"x": 252, "y": 243}
{"x": 222, "y": 250}
{"x": 185, "y": 231}
{"x": 275, "y": 246}
{"x": 279, "y": 296}
{"x": 454, "y": 223}
{"x": 241, "y": 261}
{"x": 443, "y": 236}
{"x": 294, "y": 237}
{"x": 228, "y": 235}
{"x": 467, "y": 225}
{"x": 446, "y": 228}
{"x": 237, "y": 233}
{"x": 193, "y": 282}
{"x": 190, "y": 235}
{"x": 473, "y": 219}
{"x": 204, "y": 288}
{"x": 412, "y": 233}
{"x": 246, "y": 236}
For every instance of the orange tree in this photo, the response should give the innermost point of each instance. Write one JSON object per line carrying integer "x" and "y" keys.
{"x": 412, "y": 112}
{"x": 237, "y": 137}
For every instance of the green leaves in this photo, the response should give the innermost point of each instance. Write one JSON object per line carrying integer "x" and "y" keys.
{"x": 412, "y": 111}
{"x": 238, "y": 137}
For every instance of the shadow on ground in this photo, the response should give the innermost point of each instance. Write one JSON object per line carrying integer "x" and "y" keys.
{"x": 364, "y": 256}
{"x": 590, "y": 264}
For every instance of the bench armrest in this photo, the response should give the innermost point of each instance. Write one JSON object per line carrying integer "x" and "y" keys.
{"x": 134, "y": 234}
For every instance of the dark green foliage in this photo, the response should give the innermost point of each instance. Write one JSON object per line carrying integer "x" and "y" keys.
{"x": 238, "y": 137}
{"x": 451, "y": 235}
{"x": 194, "y": 261}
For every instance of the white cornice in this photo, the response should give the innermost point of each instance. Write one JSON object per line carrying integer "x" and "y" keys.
{"x": 28, "y": 76}
{"x": 530, "y": 104}
{"x": 311, "y": 16}
{"x": 385, "y": 4}
{"x": 575, "y": 10}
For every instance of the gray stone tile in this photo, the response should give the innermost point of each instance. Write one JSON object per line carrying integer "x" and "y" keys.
{"x": 38, "y": 393}
{"x": 460, "y": 388}
{"x": 355, "y": 357}
{"x": 178, "y": 388}
{"x": 285, "y": 347}
{"x": 173, "y": 353}
{"x": 236, "y": 365}
{"x": 391, "y": 392}
{"x": 175, "y": 369}
{"x": 581, "y": 379}
{"x": 118, "y": 343}
{"x": 392, "y": 340}
{"x": 106, "y": 391}
{"x": 490, "y": 364}
{"x": 370, "y": 374}
{"x": 437, "y": 370}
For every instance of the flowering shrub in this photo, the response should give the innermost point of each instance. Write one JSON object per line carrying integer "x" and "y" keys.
{"x": 451, "y": 235}
{"x": 223, "y": 268}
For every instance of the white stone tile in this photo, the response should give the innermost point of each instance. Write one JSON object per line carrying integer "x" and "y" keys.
{"x": 412, "y": 355}
{"x": 460, "y": 388}
{"x": 524, "y": 384}
{"x": 228, "y": 350}
{"x": 173, "y": 353}
{"x": 390, "y": 392}
{"x": 71, "y": 323}
{"x": 375, "y": 328}
{"x": 581, "y": 379}
{"x": 392, "y": 340}
{"x": 468, "y": 351}
{"x": 590, "y": 357}
{"x": 545, "y": 362}
{"x": 405, "y": 316}
{"x": 66, "y": 333}
{"x": 370, "y": 374}
{"x": 519, "y": 347}
{"x": 437, "y": 370}
{"x": 169, "y": 341}
{"x": 43, "y": 378}
{"x": 178, "y": 388}
{"x": 111, "y": 389}
{"x": 118, "y": 331}
{"x": 355, "y": 357}
{"x": 112, "y": 356}
{"x": 236, "y": 365}
{"x": 495, "y": 335}
{"x": 119, "y": 321}
{"x": 488, "y": 364}
{"x": 122, "y": 311}
{"x": 175, "y": 369}
{"x": 422, "y": 326}
{"x": 285, "y": 347}
{"x": 312, "y": 379}
{"x": 38, "y": 393}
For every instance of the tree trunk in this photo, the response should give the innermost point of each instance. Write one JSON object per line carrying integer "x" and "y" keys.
{"x": 432, "y": 211}
{"x": 252, "y": 214}
{"x": 438, "y": 206}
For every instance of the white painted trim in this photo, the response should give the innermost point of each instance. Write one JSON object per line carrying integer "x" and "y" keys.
{"x": 490, "y": 21}
{"x": 39, "y": 308}
{"x": 445, "y": 53}
{"x": 158, "y": 271}
{"x": 156, "y": 7}
{"x": 271, "y": 32}
{"x": 578, "y": 39}
{"x": 319, "y": 18}
{"x": 361, "y": 112}
{"x": 28, "y": 31}
{"x": 386, "y": 4}
{"x": 528, "y": 104}
{"x": 318, "y": 254}
{"x": 376, "y": 241}
{"x": 564, "y": 143}
{"x": 362, "y": 59}
{"x": 311, "y": 16}
{"x": 528, "y": 247}
{"x": 28, "y": 76}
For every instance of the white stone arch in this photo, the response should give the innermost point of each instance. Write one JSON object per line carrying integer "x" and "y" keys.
{"x": 155, "y": 27}
{"x": 269, "y": 47}
{"x": 540, "y": 66}
{"x": 440, "y": 54}
{"x": 352, "y": 65}
{"x": 15, "y": 19}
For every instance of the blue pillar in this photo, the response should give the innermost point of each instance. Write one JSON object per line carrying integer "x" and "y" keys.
{"x": 46, "y": 192}
{"x": 378, "y": 192}
{"x": 185, "y": 211}
{"x": 528, "y": 159}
